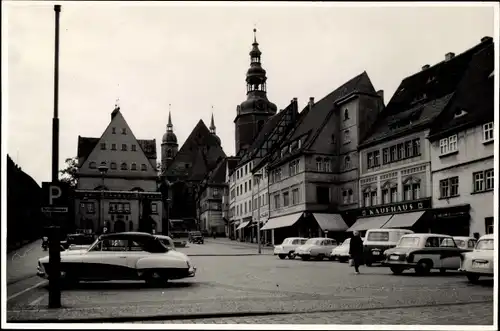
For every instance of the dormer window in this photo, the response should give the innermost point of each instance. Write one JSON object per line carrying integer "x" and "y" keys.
{"x": 346, "y": 114}
{"x": 92, "y": 165}
{"x": 460, "y": 113}
{"x": 103, "y": 146}
{"x": 124, "y": 130}
{"x": 113, "y": 130}
{"x": 144, "y": 167}
{"x": 113, "y": 165}
{"x": 123, "y": 166}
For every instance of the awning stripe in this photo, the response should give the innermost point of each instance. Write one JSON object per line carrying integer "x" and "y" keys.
{"x": 282, "y": 221}
{"x": 404, "y": 220}
{"x": 242, "y": 225}
{"x": 367, "y": 223}
{"x": 330, "y": 222}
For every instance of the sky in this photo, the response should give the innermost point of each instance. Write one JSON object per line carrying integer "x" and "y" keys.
{"x": 194, "y": 57}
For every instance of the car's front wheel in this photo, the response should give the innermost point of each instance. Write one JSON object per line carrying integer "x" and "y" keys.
{"x": 291, "y": 255}
{"x": 282, "y": 256}
{"x": 397, "y": 270}
{"x": 305, "y": 257}
{"x": 472, "y": 278}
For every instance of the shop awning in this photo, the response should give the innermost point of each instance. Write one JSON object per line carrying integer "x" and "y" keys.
{"x": 404, "y": 220}
{"x": 282, "y": 221}
{"x": 330, "y": 222}
{"x": 367, "y": 223}
{"x": 242, "y": 225}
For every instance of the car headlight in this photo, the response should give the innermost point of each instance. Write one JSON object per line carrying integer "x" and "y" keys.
{"x": 188, "y": 264}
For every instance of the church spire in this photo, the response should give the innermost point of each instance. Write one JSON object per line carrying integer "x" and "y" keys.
{"x": 212, "y": 123}
{"x": 256, "y": 75}
{"x": 169, "y": 125}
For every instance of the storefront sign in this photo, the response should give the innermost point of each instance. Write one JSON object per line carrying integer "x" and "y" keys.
{"x": 452, "y": 212}
{"x": 396, "y": 208}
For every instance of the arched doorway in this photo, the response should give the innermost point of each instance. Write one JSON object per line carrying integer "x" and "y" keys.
{"x": 119, "y": 226}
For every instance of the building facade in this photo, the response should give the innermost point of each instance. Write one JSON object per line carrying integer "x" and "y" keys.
{"x": 313, "y": 175}
{"x": 396, "y": 186}
{"x": 117, "y": 181}
{"x": 462, "y": 153}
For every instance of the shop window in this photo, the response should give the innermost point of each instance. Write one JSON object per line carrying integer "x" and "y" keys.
{"x": 488, "y": 222}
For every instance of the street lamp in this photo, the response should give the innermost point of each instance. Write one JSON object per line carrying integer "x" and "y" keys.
{"x": 103, "y": 169}
{"x": 258, "y": 178}
{"x": 164, "y": 189}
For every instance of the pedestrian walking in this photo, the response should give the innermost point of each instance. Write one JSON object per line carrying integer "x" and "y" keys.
{"x": 356, "y": 251}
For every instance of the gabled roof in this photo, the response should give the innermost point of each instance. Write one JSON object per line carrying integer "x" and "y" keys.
{"x": 87, "y": 144}
{"x": 435, "y": 84}
{"x": 474, "y": 98}
{"x": 313, "y": 120}
{"x": 201, "y": 151}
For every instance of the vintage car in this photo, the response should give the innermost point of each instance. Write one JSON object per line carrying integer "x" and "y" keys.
{"x": 288, "y": 246}
{"x": 467, "y": 243}
{"x": 166, "y": 240}
{"x": 377, "y": 241}
{"x": 316, "y": 248}
{"x": 122, "y": 256}
{"x": 480, "y": 261}
{"x": 195, "y": 237}
{"x": 424, "y": 252}
{"x": 341, "y": 252}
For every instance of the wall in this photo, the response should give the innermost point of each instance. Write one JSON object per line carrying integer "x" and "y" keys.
{"x": 244, "y": 197}
{"x": 116, "y": 184}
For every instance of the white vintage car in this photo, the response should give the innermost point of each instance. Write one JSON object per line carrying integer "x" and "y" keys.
{"x": 424, "y": 252}
{"x": 465, "y": 242}
{"x": 288, "y": 247}
{"x": 341, "y": 252}
{"x": 480, "y": 261}
{"x": 122, "y": 256}
{"x": 316, "y": 248}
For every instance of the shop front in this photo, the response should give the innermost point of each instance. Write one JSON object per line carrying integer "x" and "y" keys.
{"x": 413, "y": 215}
{"x": 244, "y": 230}
{"x": 453, "y": 220}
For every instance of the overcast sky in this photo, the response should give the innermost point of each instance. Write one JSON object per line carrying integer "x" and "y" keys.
{"x": 194, "y": 57}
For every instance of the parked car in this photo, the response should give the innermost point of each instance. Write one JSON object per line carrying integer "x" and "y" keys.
{"x": 316, "y": 248}
{"x": 341, "y": 252}
{"x": 122, "y": 256}
{"x": 288, "y": 246}
{"x": 467, "y": 243}
{"x": 479, "y": 262}
{"x": 166, "y": 240}
{"x": 424, "y": 252}
{"x": 196, "y": 237}
{"x": 377, "y": 241}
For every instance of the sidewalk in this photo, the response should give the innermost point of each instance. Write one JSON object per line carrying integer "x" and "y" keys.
{"x": 227, "y": 241}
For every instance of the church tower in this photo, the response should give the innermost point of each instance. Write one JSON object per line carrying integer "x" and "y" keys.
{"x": 169, "y": 145}
{"x": 212, "y": 129}
{"x": 256, "y": 109}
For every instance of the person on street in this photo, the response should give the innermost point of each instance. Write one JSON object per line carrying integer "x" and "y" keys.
{"x": 356, "y": 250}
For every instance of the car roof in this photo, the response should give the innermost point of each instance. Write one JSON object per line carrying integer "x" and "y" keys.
{"x": 391, "y": 230}
{"x": 293, "y": 238}
{"x": 126, "y": 234}
{"x": 160, "y": 236}
{"x": 426, "y": 235}
{"x": 464, "y": 238}
{"x": 488, "y": 236}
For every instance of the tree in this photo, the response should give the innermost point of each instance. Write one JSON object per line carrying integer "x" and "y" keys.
{"x": 68, "y": 174}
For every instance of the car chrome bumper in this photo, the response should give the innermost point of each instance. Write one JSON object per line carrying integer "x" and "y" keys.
{"x": 487, "y": 273}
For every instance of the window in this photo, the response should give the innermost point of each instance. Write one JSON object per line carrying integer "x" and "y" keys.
{"x": 144, "y": 167}
{"x": 407, "y": 192}
{"x": 154, "y": 208}
{"x": 376, "y": 158}
{"x": 113, "y": 165}
{"x": 346, "y": 114}
{"x": 295, "y": 196}
{"x": 385, "y": 155}
{"x": 215, "y": 192}
{"x": 448, "y": 187}
{"x": 294, "y": 167}
{"x": 113, "y": 147}
{"x": 277, "y": 201}
{"x": 326, "y": 165}
{"x": 246, "y": 187}
{"x": 286, "y": 199}
{"x": 347, "y": 163}
{"x": 394, "y": 194}
{"x": 133, "y": 147}
{"x": 488, "y": 132}
{"x": 351, "y": 196}
{"x": 401, "y": 151}
{"x": 393, "y": 155}
{"x": 488, "y": 222}
{"x": 416, "y": 147}
{"x": 123, "y": 166}
{"x": 92, "y": 165}
{"x": 378, "y": 236}
{"x": 408, "y": 149}
{"x": 448, "y": 145}
{"x": 416, "y": 191}
{"x": 385, "y": 196}
{"x": 319, "y": 164}
{"x": 249, "y": 184}
{"x": 370, "y": 159}
{"x": 345, "y": 197}
{"x": 124, "y": 147}
{"x": 483, "y": 181}
{"x": 323, "y": 195}
{"x": 124, "y": 131}
{"x": 347, "y": 138}
{"x": 447, "y": 242}
{"x": 114, "y": 245}
{"x": 90, "y": 207}
{"x": 246, "y": 204}
{"x": 366, "y": 198}
{"x": 103, "y": 146}
{"x": 374, "y": 197}
{"x": 113, "y": 130}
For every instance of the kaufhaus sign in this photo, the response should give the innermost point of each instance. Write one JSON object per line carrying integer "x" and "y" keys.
{"x": 396, "y": 208}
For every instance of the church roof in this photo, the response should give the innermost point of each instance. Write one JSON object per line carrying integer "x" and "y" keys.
{"x": 87, "y": 144}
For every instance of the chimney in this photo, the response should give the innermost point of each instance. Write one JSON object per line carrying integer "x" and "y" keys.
{"x": 449, "y": 56}
{"x": 425, "y": 67}
{"x": 380, "y": 93}
{"x": 485, "y": 39}
{"x": 294, "y": 100}
{"x": 311, "y": 101}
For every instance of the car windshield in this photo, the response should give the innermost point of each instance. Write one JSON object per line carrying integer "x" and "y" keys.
{"x": 378, "y": 236}
{"x": 346, "y": 242}
{"x": 287, "y": 241}
{"x": 486, "y": 244}
{"x": 409, "y": 242}
{"x": 460, "y": 243}
{"x": 313, "y": 242}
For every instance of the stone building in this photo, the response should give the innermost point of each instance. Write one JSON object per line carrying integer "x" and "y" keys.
{"x": 462, "y": 153}
{"x": 313, "y": 175}
{"x": 396, "y": 184}
{"x": 117, "y": 180}
{"x": 184, "y": 170}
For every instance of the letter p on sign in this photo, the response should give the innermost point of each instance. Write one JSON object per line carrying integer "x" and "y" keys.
{"x": 55, "y": 192}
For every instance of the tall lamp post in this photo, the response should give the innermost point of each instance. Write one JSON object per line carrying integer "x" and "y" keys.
{"x": 258, "y": 178}
{"x": 103, "y": 169}
{"x": 164, "y": 189}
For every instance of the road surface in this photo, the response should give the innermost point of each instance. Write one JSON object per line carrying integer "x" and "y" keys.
{"x": 230, "y": 289}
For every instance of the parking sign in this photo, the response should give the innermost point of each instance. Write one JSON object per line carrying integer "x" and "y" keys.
{"x": 55, "y": 197}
